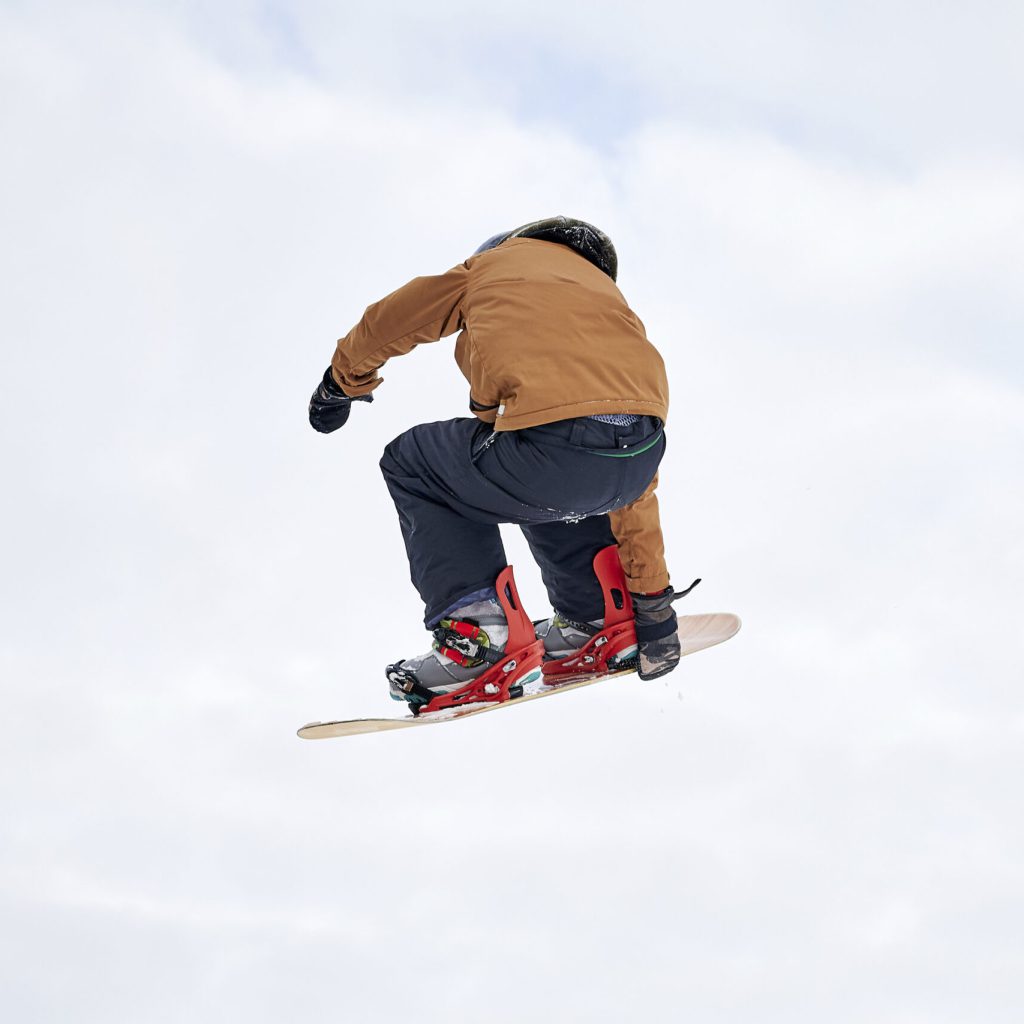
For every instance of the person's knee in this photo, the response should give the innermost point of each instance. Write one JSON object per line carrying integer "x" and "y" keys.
{"x": 391, "y": 462}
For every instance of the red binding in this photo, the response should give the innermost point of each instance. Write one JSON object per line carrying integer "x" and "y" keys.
{"x": 524, "y": 653}
{"x": 619, "y": 631}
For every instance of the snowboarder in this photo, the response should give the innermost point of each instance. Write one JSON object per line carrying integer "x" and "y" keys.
{"x": 569, "y": 400}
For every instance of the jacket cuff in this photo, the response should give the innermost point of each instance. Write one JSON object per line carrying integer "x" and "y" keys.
{"x": 647, "y": 584}
{"x": 354, "y": 387}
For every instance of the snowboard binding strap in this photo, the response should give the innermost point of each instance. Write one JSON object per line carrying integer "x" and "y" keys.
{"x": 509, "y": 670}
{"x": 465, "y": 643}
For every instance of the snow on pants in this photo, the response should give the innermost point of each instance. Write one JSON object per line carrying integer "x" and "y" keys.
{"x": 454, "y": 481}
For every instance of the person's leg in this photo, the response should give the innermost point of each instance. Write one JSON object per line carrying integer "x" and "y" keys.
{"x": 449, "y": 511}
{"x": 565, "y": 552}
{"x": 454, "y": 548}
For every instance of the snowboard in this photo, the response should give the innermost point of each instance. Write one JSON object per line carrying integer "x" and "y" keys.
{"x": 696, "y": 633}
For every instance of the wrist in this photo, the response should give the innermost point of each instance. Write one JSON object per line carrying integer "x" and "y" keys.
{"x": 332, "y": 389}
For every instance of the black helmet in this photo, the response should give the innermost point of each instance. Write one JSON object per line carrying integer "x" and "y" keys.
{"x": 590, "y": 242}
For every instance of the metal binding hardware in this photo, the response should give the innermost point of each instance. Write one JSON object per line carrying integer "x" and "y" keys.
{"x": 453, "y": 642}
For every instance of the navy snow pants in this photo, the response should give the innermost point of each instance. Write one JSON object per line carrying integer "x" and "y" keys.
{"x": 454, "y": 481}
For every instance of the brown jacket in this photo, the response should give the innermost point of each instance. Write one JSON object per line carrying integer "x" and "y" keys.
{"x": 544, "y": 336}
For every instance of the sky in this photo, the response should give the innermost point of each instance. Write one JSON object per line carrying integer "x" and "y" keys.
{"x": 819, "y": 214}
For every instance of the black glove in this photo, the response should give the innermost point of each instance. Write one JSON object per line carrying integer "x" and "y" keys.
{"x": 657, "y": 631}
{"x": 329, "y": 407}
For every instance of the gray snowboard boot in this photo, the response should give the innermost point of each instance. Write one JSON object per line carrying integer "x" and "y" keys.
{"x": 562, "y": 637}
{"x": 466, "y": 644}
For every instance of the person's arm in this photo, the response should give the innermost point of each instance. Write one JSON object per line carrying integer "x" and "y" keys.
{"x": 637, "y": 529}
{"x": 425, "y": 309}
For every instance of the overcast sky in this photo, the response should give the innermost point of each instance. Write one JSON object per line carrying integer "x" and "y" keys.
{"x": 819, "y": 213}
